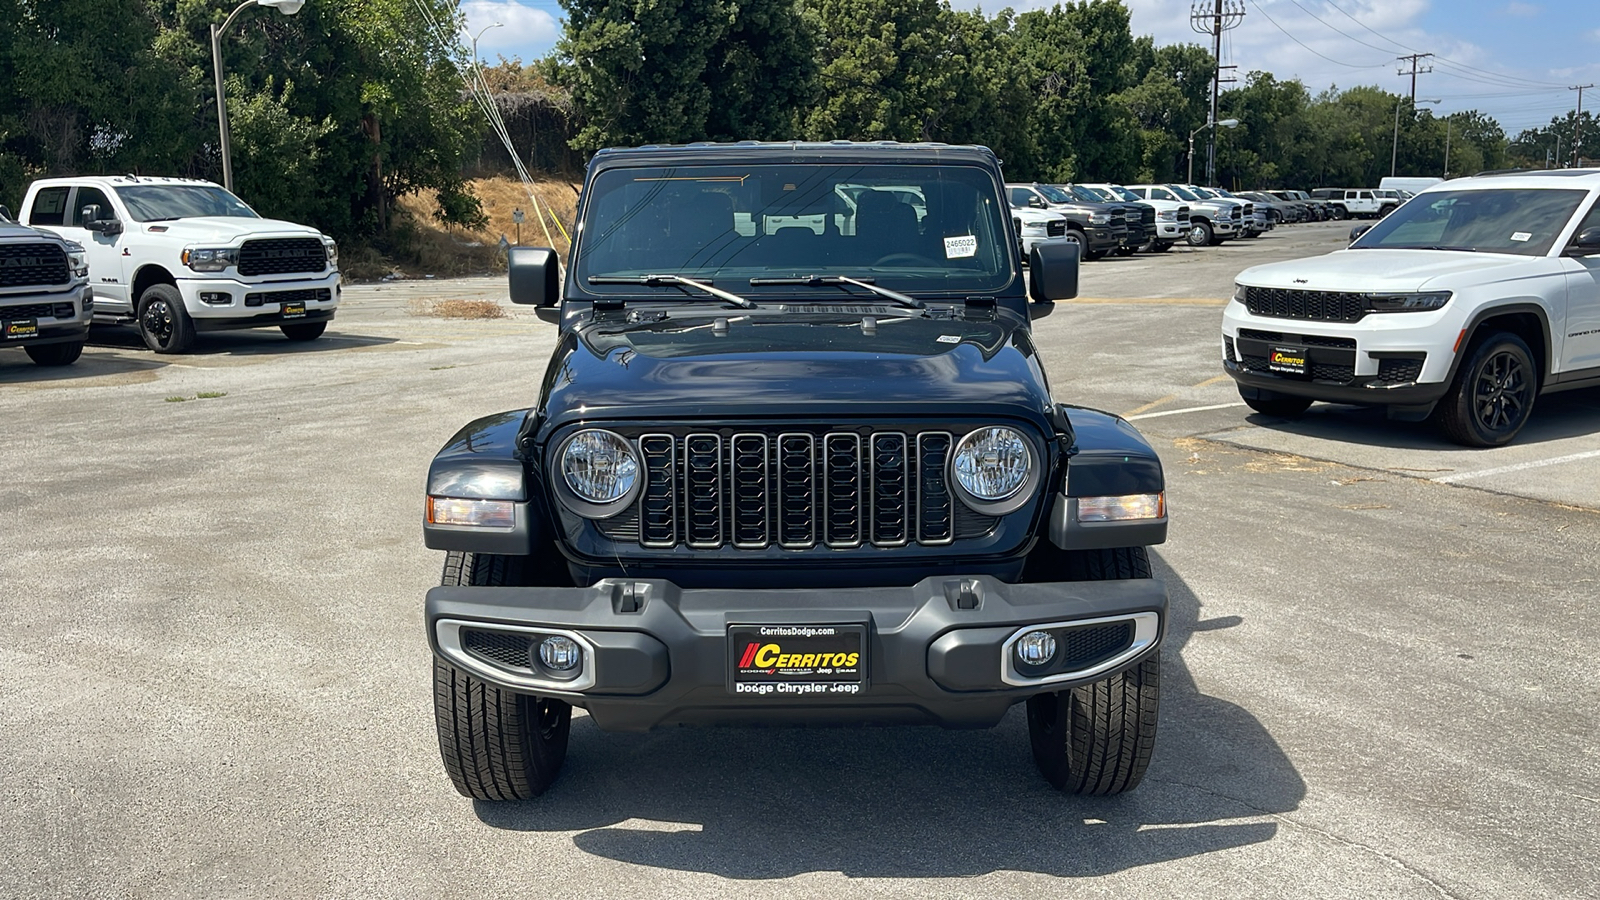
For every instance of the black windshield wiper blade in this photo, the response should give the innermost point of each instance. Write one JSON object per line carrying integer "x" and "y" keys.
{"x": 867, "y": 283}
{"x": 733, "y": 298}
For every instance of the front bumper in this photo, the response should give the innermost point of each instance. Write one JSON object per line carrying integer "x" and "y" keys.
{"x": 49, "y": 329}
{"x": 258, "y": 302}
{"x": 936, "y": 652}
{"x": 1171, "y": 231}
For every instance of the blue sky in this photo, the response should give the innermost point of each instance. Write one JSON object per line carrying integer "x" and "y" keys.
{"x": 1511, "y": 59}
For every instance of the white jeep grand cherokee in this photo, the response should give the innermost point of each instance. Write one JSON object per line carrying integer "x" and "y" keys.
{"x": 1464, "y": 304}
{"x": 177, "y": 257}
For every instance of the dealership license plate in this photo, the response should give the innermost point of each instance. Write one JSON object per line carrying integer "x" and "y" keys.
{"x": 797, "y": 660}
{"x": 294, "y": 310}
{"x": 1286, "y": 360}
{"x": 20, "y": 329}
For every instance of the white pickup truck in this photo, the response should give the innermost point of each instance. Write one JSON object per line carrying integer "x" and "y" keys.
{"x": 177, "y": 257}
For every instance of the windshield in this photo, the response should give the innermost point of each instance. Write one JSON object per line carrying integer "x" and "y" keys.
{"x": 1084, "y": 194}
{"x": 1202, "y": 193}
{"x": 902, "y": 227}
{"x": 158, "y": 202}
{"x": 1181, "y": 192}
{"x": 1525, "y": 222}
{"x": 1121, "y": 193}
{"x": 1054, "y": 193}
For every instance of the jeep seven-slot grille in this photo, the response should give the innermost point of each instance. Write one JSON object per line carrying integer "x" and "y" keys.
{"x": 1317, "y": 306}
{"x": 281, "y": 256}
{"x": 796, "y": 490}
{"x": 25, "y": 265}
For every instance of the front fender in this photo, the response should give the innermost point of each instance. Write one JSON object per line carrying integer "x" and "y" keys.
{"x": 1110, "y": 458}
{"x": 486, "y": 461}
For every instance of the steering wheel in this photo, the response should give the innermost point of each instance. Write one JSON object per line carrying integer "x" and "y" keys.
{"x": 906, "y": 257}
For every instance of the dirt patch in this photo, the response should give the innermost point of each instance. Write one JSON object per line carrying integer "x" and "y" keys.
{"x": 456, "y": 309}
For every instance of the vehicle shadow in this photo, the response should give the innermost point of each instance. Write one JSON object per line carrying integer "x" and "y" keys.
{"x": 1555, "y": 417}
{"x": 244, "y": 342}
{"x": 17, "y": 368}
{"x": 915, "y": 802}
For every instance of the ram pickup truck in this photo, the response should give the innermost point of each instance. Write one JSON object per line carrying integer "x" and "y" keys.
{"x": 1097, "y": 228}
{"x": 45, "y": 298}
{"x": 177, "y": 257}
{"x": 1171, "y": 216}
{"x": 1210, "y": 221}
{"x": 1464, "y": 305}
{"x": 794, "y": 475}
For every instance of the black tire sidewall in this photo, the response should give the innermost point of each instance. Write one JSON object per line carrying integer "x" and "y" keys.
{"x": 1460, "y": 420}
{"x": 1203, "y": 228}
{"x": 303, "y": 331}
{"x": 182, "y": 336}
{"x": 55, "y": 354}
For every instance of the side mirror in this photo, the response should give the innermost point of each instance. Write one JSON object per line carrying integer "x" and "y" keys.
{"x": 1586, "y": 243}
{"x": 1037, "y": 203}
{"x": 5, "y": 213}
{"x": 534, "y": 274}
{"x": 1053, "y": 271}
{"x": 1358, "y": 231}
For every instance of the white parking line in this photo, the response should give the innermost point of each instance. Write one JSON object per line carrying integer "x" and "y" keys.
{"x": 1518, "y": 467}
{"x": 1179, "y": 412}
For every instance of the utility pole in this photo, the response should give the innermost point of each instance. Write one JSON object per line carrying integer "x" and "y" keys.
{"x": 1213, "y": 17}
{"x": 1413, "y": 59}
{"x": 1577, "y": 126}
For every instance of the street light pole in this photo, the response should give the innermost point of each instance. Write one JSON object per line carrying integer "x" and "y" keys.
{"x": 1394, "y": 152}
{"x": 1225, "y": 123}
{"x": 288, "y": 8}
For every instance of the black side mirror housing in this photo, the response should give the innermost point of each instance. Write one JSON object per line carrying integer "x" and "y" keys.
{"x": 5, "y": 213}
{"x": 1037, "y": 203}
{"x": 1358, "y": 231}
{"x": 1053, "y": 271}
{"x": 1588, "y": 240}
{"x": 93, "y": 219}
{"x": 534, "y": 273}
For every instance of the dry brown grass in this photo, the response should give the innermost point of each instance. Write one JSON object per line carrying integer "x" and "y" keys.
{"x": 431, "y": 247}
{"x": 456, "y": 309}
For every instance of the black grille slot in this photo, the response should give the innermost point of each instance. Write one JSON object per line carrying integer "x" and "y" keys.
{"x": 702, "y": 490}
{"x": 319, "y": 295}
{"x": 1330, "y": 372}
{"x": 658, "y": 501}
{"x": 30, "y": 311}
{"x": 281, "y": 256}
{"x": 1055, "y": 227}
{"x": 1400, "y": 370}
{"x": 934, "y": 521}
{"x": 797, "y": 499}
{"x": 1227, "y": 344}
{"x": 24, "y": 265}
{"x": 890, "y": 490}
{"x": 1310, "y": 340}
{"x": 841, "y": 461}
{"x": 1319, "y": 306}
{"x": 1083, "y": 648}
{"x": 748, "y": 479}
{"x": 502, "y": 648}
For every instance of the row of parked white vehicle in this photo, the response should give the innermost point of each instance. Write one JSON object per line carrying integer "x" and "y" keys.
{"x": 172, "y": 257}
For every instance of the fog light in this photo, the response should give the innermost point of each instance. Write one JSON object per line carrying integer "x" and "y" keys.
{"x": 1036, "y": 648}
{"x": 216, "y": 298}
{"x": 560, "y": 654}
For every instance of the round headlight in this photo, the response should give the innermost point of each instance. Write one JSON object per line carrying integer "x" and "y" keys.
{"x": 599, "y": 466}
{"x": 993, "y": 463}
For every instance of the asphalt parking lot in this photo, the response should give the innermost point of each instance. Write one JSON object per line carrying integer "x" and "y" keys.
{"x": 1379, "y": 671}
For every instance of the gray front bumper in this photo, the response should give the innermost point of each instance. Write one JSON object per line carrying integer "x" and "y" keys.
{"x": 658, "y": 654}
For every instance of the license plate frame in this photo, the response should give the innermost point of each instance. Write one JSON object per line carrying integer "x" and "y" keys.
{"x": 19, "y": 329}
{"x": 820, "y": 660}
{"x": 1288, "y": 359}
{"x": 294, "y": 309}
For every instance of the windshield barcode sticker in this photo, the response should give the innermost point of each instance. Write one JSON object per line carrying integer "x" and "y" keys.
{"x": 1522, "y": 236}
{"x": 960, "y": 247}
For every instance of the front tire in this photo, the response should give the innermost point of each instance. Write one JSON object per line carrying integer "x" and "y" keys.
{"x": 1098, "y": 738}
{"x": 1160, "y": 246}
{"x": 1493, "y": 393}
{"x": 1281, "y": 405}
{"x": 495, "y": 744}
{"x": 163, "y": 322}
{"x": 1200, "y": 234}
{"x": 55, "y": 354}
{"x": 1340, "y": 213}
{"x": 304, "y": 331}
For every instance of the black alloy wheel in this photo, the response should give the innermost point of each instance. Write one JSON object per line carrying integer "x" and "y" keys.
{"x": 163, "y": 322}
{"x": 1493, "y": 393}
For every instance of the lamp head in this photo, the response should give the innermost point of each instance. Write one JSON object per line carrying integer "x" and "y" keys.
{"x": 1229, "y": 123}
{"x": 287, "y": 7}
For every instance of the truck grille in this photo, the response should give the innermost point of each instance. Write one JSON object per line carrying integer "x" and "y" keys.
{"x": 1055, "y": 227}
{"x": 1183, "y": 214}
{"x": 26, "y": 265}
{"x": 36, "y": 311}
{"x": 1147, "y": 215}
{"x": 795, "y": 489}
{"x": 281, "y": 256}
{"x": 1317, "y": 306}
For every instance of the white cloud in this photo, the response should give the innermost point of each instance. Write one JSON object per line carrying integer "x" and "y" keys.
{"x": 1522, "y": 10}
{"x": 525, "y": 31}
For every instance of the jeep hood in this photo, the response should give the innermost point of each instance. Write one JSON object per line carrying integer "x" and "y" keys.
{"x": 1387, "y": 270}
{"x": 772, "y": 363}
{"x": 225, "y": 229}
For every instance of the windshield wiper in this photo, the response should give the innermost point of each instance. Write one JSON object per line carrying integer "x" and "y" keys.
{"x": 867, "y": 283}
{"x": 656, "y": 280}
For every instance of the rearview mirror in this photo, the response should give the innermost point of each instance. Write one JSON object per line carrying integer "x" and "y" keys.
{"x": 1053, "y": 271}
{"x": 534, "y": 275}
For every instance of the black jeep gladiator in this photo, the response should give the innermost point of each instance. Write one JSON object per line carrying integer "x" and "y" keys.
{"x": 795, "y": 461}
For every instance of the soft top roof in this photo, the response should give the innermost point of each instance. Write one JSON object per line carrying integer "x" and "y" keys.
{"x": 877, "y": 152}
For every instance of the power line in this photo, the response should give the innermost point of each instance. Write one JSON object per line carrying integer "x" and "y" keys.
{"x": 1577, "y": 125}
{"x": 1444, "y": 60}
{"x": 1224, "y": 16}
{"x": 1308, "y": 49}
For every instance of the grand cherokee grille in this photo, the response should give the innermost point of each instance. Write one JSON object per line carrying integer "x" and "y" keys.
{"x": 26, "y": 265}
{"x": 281, "y": 256}
{"x": 1317, "y": 306}
{"x": 795, "y": 489}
